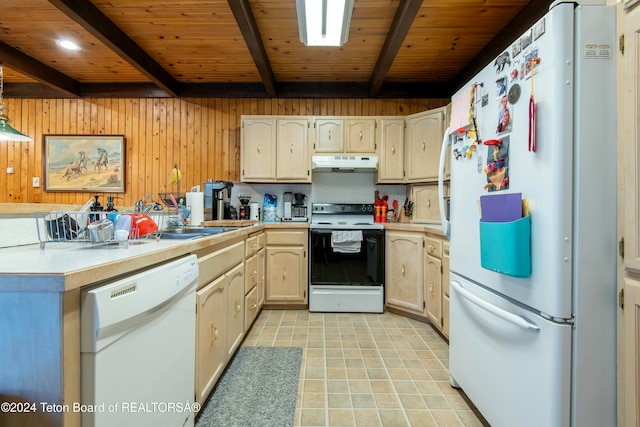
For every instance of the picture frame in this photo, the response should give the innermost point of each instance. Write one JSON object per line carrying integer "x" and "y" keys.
{"x": 87, "y": 163}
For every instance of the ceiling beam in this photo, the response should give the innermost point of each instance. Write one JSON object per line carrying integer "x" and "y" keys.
{"x": 402, "y": 21}
{"x": 526, "y": 18}
{"x": 97, "y": 24}
{"x": 247, "y": 23}
{"x": 315, "y": 90}
{"x": 18, "y": 61}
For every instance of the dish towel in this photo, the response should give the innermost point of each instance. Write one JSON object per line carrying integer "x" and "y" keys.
{"x": 347, "y": 242}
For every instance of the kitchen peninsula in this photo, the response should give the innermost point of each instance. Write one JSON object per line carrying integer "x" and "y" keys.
{"x": 40, "y": 313}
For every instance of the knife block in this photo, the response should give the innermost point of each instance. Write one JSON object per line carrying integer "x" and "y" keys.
{"x": 402, "y": 217}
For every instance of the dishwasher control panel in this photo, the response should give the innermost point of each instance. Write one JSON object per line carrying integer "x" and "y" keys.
{"x": 184, "y": 273}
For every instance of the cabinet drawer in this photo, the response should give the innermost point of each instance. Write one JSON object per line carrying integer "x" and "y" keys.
{"x": 434, "y": 247}
{"x": 291, "y": 237}
{"x": 251, "y": 246}
{"x": 219, "y": 262}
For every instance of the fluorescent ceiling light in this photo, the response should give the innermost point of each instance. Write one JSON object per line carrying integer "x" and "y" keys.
{"x": 324, "y": 22}
{"x": 67, "y": 44}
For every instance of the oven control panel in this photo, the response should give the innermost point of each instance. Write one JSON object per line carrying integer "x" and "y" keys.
{"x": 342, "y": 208}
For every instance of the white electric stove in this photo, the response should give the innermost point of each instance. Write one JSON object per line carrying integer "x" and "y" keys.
{"x": 347, "y": 259}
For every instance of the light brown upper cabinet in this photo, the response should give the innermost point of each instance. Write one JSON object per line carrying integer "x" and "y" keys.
{"x": 391, "y": 162}
{"x": 292, "y": 156}
{"x": 329, "y": 136}
{"x": 426, "y": 208}
{"x": 352, "y": 135}
{"x": 424, "y": 136}
{"x": 361, "y": 135}
{"x": 275, "y": 149}
{"x": 258, "y": 151}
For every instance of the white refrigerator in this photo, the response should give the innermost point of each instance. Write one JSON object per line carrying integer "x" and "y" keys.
{"x": 533, "y": 297}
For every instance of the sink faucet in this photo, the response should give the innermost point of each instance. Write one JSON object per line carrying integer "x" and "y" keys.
{"x": 140, "y": 204}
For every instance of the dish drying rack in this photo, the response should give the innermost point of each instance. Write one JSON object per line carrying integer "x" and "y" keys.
{"x": 176, "y": 217}
{"x": 75, "y": 227}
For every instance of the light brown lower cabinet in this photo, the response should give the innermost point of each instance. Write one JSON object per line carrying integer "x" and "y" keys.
{"x": 433, "y": 290}
{"x": 287, "y": 267}
{"x": 404, "y": 271}
{"x": 417, "y": 273}
{"x": 219, "y": 327}
{"x": 210, "y": 335}
{"x": 235, "y": 309}
{"x": 262, "y": 276}
{"x": 254, "y": 278}
{"x": 445, "y": 289}
{"x": 220, "y": 316}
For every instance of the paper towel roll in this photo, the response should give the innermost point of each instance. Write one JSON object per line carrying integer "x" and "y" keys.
{"x": 195, "y": 203}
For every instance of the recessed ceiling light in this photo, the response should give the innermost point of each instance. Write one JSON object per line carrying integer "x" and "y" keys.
{"x": 67, "y": 44}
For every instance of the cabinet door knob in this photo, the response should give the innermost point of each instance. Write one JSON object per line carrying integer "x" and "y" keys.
{"x": 403, "y": 269}
{"x": 329, "y": 135}
{"x": 393, "y": 149}
{"x": 213, "y": 333}
{"x": 259, "y": 148}
{"x": 423, "y": 145}
{"x": 284, "y": 274}
{"x": 428, "y": 203}
{"x": 291, "y": 148}
{"x": 360, "y": 135}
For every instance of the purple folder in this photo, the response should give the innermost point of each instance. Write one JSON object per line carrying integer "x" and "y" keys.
{"x": 501, "y": 207}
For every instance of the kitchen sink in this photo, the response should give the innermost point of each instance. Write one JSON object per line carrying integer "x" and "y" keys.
{"x": 190, "y": 232}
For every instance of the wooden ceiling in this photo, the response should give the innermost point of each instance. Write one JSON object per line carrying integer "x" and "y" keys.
{"x": 250, "y": 48}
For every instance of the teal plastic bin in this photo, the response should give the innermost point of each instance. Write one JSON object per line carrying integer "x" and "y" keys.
{"x": 505, "y": 247}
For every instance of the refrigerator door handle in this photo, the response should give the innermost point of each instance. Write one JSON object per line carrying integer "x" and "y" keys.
{"x": 514, "y": 319}
{"x": 443, "y": 155}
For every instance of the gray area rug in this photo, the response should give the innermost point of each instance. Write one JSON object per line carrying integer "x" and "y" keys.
{"x": 259, "y": 388}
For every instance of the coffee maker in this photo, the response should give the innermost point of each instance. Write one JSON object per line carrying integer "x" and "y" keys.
{"x": 299, "y": 210}
{"x": 217, "y": 195}
{"x": 294, "y": 208}
{"x": 287, "y": 199}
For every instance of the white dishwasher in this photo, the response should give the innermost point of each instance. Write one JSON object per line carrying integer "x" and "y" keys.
{"x": 138, "y": 348}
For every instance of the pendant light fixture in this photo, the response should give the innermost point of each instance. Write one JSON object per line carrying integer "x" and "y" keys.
{"x": 7, "y": 133}
{"x": 324, "y": 22}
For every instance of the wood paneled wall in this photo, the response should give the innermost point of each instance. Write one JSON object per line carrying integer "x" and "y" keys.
{"x": 201, "y": 135}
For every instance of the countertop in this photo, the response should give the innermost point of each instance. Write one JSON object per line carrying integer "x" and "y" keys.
{"x": 64, "y": 266}
{"x": 407, "y": 226}
{"x": 60, "y": 267}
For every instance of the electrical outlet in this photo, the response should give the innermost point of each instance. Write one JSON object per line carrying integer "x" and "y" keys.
{"x": 36, "y": 181}
{"x": 9, "y": 170}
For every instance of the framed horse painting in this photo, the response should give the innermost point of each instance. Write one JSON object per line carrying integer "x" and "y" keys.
{"x": 92, "y": 163}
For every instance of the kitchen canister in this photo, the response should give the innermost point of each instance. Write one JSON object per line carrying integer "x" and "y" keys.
{"x": 254, "y": 210}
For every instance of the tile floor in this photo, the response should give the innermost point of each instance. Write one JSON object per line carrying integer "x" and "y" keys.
{"x": 366, "y": 369}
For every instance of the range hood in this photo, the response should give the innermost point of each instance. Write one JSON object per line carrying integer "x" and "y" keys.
{"x": 344, "y": 163}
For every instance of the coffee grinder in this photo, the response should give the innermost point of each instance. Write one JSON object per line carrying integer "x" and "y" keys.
{"x": 245, "y": 210}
